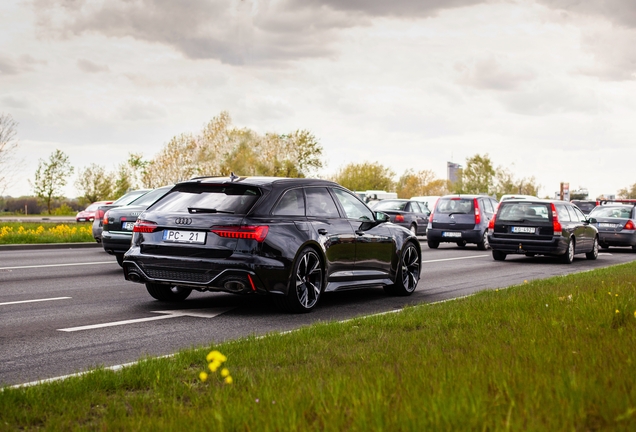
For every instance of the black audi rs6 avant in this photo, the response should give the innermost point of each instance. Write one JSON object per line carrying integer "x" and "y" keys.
{"x": 291, "y": 239}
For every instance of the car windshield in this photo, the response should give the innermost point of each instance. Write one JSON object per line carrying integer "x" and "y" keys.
{"x": 522, "y": 211}
{"x": 151, "y": 197}
{"x": 618, "y": 212}
{"x": 235, "y": 199}
{"x": 455, "y": 206}
{"x": 130, "y": 197}
{"x": 390, "y": 205}
{"x": 93, "y": 207}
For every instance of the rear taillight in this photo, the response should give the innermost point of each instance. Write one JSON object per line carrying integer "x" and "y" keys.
{"x": 399, "y": 218}
{"x": 105, "y": 218}
{"x": 556, "y": 225}
{"x": 491, "y": 225}
{"x": 629, "y": 225}
{"x": 99, "y": 214}
{"x": 477, "y": 212}
{"x": 144, "y": 227}
{"x": 248, "y": 232}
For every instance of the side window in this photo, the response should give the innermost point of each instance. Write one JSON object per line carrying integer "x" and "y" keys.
{"x": 353, "y": 208}
{"x": 562, "y": 212}
{"x": 578, "y": 214}
{"x": 320, "y": 203}
{"x": 292, "y": 203}
{"x": 490, "y": 206}
{"x": 415, "y": 207}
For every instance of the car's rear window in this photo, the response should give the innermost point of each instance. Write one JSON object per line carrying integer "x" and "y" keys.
{"x": 455, "y": 206}
{"x": 522, "y": 211}
{"x": 622, "y": 212}
{"x": 234, "y": 199}
{"x": 390, "y": 205}
{"x": 585, "y": 206}
{"x": 150, "y": 197}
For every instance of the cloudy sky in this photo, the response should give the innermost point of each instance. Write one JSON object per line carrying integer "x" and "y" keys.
{"x": 546, "y": 88}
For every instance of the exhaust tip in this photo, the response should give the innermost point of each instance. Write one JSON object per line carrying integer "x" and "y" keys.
{"x": 234, "y": 286}
{"x": 134, "y": 277}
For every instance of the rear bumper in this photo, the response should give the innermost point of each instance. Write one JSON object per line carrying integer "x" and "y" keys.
{"x": 555, "y": 246}
{"x": 115, "y": 242}
{"x": 238, "y": 274}
{"x": 617, "y": 238}
{"x": 468, "y": 235}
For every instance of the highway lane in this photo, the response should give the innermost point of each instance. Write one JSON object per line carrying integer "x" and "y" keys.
{"x": 46, "y": 295}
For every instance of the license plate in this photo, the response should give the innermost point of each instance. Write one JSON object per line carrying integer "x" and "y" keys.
{"x": 607, "y": 225}
{"x": 81, "y": 220}
{"x": 451, "y": 234}
{"x": 525, "y": 230}
{"x": 174, "y": 236}
{"x": 127, "y": 226}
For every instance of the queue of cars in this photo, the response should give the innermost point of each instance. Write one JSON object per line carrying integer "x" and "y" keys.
{"x": 294, "y": 239}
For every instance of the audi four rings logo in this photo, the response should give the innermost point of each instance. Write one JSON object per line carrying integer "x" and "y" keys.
{"x": 183, "y": 221}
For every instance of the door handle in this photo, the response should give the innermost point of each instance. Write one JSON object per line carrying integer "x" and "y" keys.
{"x": 322, "y": 231}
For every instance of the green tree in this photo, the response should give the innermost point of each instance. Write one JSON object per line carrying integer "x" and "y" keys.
{"x": 505, "y": 183}
{"x": 365, "y": 176}
{"x": 628, "y": 192}
{"x": 129, "y": 174}
{"x": 478, "y": 175}
{"x": 421, "y": 183}
{"x": 51, "y": 177}
{"x": 221, "y": 149}
{"x": 94, "y": 184}
{"x": 8, "y": 147}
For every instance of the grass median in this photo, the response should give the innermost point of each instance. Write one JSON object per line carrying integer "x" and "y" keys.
{"x": 555, "y": 354}
{"x": 33, "y": 232}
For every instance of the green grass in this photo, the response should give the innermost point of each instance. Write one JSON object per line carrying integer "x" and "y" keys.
{"x": 554, "y": 355}
{"x": 32, "y": 232}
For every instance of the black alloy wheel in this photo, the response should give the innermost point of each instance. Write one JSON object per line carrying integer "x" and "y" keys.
{"x": 168, "y": 293}
{"x": 408, "y": 272}
{"x": 306, "y": 283}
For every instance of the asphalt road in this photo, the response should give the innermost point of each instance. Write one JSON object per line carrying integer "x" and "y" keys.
{"x": 64, "y": 311}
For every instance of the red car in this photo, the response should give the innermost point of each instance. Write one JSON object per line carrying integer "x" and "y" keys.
{"x": 88, "y": 214}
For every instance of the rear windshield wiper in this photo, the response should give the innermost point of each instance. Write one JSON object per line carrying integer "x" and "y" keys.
{"x": 207, "y": 210}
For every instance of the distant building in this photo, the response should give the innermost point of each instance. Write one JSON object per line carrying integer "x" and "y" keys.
{"x": 453, "y": 171}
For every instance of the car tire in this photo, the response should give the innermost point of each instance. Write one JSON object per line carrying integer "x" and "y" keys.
{"x": 168, "y": 293}
{"x": 498, "y": 255}
{"x": 120, "y": 259}
{"x": 461, "y": 244}
{"x": 433, "y": 244}
{"x": 306, "y": 283}
{"x": 483, "y": 244}
{"x": 593, "y": 254}
{"x": 413, "y": 229}
{"x": 408, "y": 272}
{"x": 603, "y": 245}
{"x": 568, "y": 256}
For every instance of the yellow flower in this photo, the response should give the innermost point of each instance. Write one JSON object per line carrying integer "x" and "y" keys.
{"x": 617, "y": 311}
{"x": 634, "y": 314}
{"x": 225, "y": 372}
{"x": 525, "y": 281}
{"x": 228, "y": 380}
{"x": 214, "y": 365}
{"x": 216, "y": 355}
{"x": 203, "y": 376}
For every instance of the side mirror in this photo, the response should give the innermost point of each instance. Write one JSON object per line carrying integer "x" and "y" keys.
{"x": 592, "y": 220}
{"x": 381, "y": 217}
